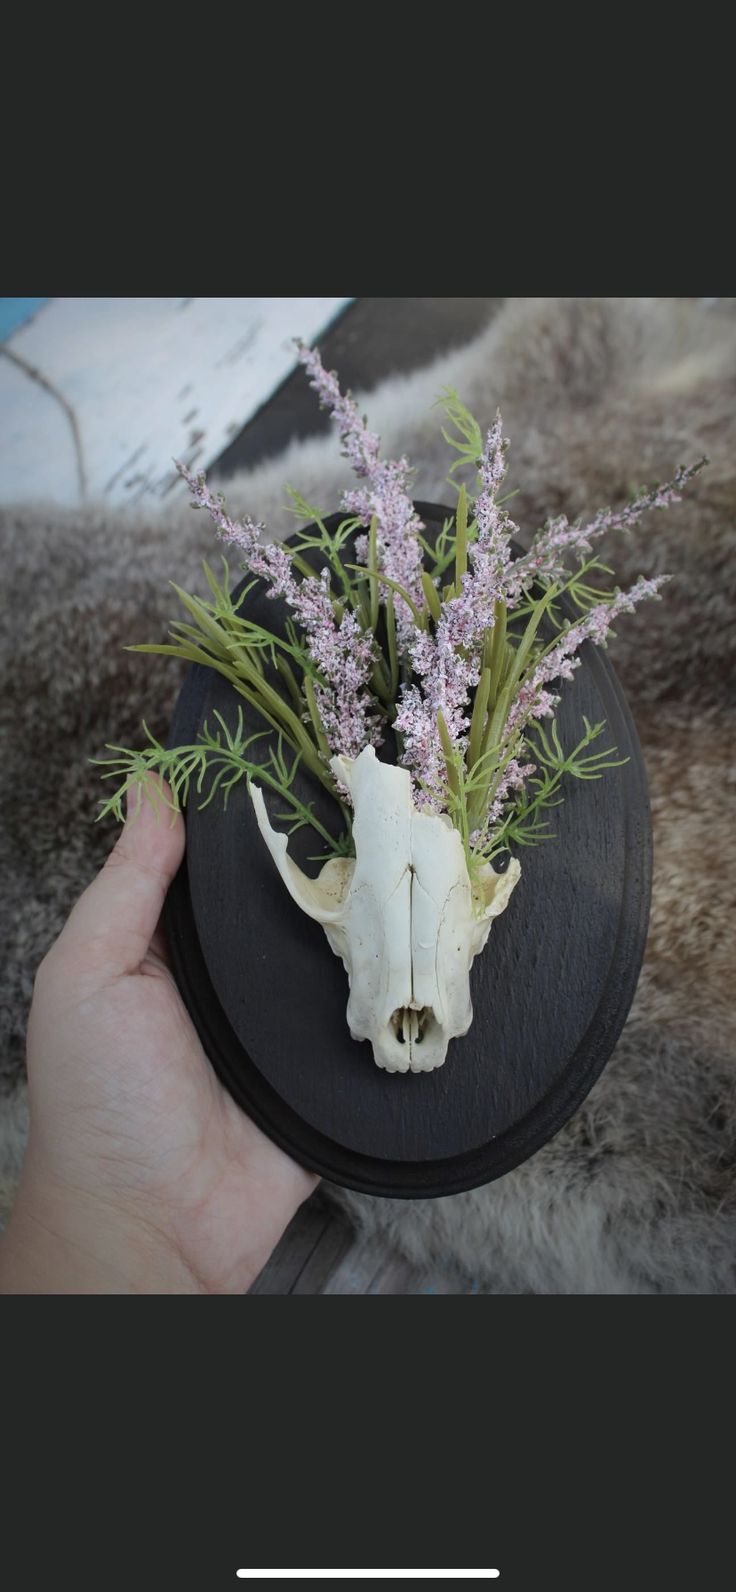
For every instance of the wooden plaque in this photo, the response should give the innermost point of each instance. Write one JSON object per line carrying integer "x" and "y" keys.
{"x": 551, "y": 991}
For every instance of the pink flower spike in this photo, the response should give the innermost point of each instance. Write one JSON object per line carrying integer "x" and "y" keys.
{"x": 545, "y": 558}
{"x": 343, "y": 653}
{"x": 447, "y": 663}
{"x": 385, "y": 495}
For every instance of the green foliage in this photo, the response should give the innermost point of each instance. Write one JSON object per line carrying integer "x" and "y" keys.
{"x": 241, "y": 651}
{"x": 218, "y": 760}
{"x": 524, "y": 824}
{"x": 468, "y": 439}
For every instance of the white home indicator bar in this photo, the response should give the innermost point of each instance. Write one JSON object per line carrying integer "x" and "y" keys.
{"x": 365, "y": 1575}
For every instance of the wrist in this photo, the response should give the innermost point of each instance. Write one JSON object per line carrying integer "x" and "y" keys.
{"x": 61, "y": 1240}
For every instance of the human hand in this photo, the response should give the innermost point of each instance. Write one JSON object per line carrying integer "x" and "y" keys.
{"x": 141, "y": 1174}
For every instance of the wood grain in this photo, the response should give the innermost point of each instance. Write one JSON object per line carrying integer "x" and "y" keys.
{"x": 142, "y": 381}
{"x": 550, "y": 992}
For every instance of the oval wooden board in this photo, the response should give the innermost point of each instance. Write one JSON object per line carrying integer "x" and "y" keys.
{"x": 550, "y": 992}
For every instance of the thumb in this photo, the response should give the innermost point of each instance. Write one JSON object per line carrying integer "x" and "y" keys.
{"x": 114, "y": 920}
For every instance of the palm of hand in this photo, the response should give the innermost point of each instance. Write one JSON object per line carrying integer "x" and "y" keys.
{"x": 127, "y": 1106}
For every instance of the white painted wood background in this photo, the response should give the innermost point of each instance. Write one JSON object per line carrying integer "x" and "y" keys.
{"x": 143, "y": 380}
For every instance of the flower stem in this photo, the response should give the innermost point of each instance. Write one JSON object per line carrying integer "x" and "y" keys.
{"x": 461, "y": 540}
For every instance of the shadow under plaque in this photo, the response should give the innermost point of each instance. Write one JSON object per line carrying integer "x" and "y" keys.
{"x": 551, "y": 991}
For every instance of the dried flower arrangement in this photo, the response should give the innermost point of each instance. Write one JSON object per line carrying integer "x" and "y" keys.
{"x": 434, "y": 648}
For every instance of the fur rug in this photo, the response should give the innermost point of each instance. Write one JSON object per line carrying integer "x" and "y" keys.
{"x": 637, "y": 1194}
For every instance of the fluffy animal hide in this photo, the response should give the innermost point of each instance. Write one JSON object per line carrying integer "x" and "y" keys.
{"x": 637, "y": 1193}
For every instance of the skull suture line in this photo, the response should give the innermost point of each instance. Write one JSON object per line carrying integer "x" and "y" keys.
{"x": 403, "y": 915}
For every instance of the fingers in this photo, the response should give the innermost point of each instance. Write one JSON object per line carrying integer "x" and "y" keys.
{"x": 114, "y": 921}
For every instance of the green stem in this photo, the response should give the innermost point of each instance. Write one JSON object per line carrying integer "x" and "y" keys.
{"x": 430, "y": 593}
{"x": 505, "y": 697}
{"x": 304, "y": 812}
{"x": 380, "y": 684}
{"x": 373, "y": 570}
{"x": 478, "y": 721}
{"x": 294, "y": 732}
{"x": 461, "y": 540}
{"x": 525, "y": 645}
{"x": 322, "y": 741}
{"x": 449, "y": 756}
{"x": 498, "y": 640}
{"x": 287, "y": 674}
{"x": 391, "y": 640}
{"x": 394, "y": 585}
{"x": 269, "y": 704}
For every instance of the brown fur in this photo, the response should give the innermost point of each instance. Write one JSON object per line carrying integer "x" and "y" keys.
{"x": 637, "y": 1193}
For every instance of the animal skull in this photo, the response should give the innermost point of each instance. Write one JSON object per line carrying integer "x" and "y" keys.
{"x": 402, "y": 914}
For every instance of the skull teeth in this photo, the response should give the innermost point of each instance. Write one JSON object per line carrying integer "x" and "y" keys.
{"x": 386, "y": 1067}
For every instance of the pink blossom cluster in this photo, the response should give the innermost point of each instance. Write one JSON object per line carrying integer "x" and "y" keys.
{"x": 385, "y": 496}
{"x": 446, "y": 678}
{"x": 448, "y": 663}
{"x": 512, "y": 779}
{"x": 490, "y": 559}
{"x": 444, "y": 659}
{"x": 545, "y": 558}
{"x": 342, "y": 651}
{"x": 534, "y": 701}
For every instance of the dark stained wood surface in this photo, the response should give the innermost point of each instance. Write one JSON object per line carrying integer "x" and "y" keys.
{"x": 550, "y": 992}
{"x": 320, "y": 1254}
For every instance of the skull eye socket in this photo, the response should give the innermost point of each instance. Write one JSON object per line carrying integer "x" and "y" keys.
{"x": 410, "y": 1024}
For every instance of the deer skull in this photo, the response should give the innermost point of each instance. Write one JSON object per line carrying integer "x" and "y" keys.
{"x": 403, "y": 915}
